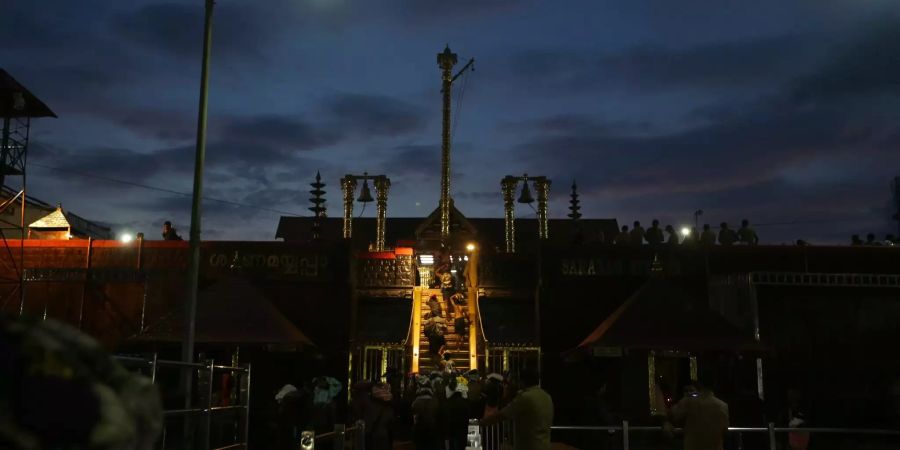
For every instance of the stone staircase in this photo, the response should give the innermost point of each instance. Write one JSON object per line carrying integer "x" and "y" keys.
{"x": 457, "y": 348}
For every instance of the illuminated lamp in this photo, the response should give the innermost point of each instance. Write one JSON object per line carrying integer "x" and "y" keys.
{"x": 126, "y": 238}
{"x": 685, "y": 231}
{"x": 470, "y": 246}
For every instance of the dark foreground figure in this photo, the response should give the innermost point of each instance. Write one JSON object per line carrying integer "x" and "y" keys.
{"x": 59, "y": 389}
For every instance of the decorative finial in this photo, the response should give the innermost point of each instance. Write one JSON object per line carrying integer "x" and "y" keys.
{"x": 318, "y": 207}
{"x": 574, "y": 203}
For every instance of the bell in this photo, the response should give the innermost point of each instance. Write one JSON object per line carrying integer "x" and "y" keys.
{"x": 364, "y": 195}
{"x": 526, "y": 197}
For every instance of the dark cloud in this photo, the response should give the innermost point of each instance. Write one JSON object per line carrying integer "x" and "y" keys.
{"x": 115, "y": 163}
{"x": 283, "y": 133}
{"x": 164, "y": 125}
{"x": 575, "y": 123}
{"x": 438, "y": 10}
{"x": 554, "y": 69}
{"x": 414, "y": 160}
{"x": 756, "y": 63}
{"x": 743, "y": 150}
{"x": 715, "y": 66}
{"x": 866, "y": 65}
{"x": 491, "y": 197}
{"x": 369, "y": 115}
{"x": 177, "y": 29}
{"x": 48, "y": 24}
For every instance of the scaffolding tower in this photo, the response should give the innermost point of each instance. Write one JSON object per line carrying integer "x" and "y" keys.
{"x": 17, "y": 107}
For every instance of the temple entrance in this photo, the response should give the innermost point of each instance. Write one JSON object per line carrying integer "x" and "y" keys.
{"x": 444, "y": 311}
{"x": 670, "y": 372}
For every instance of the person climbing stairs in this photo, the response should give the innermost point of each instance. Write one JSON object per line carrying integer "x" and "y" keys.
{"x": 435, "y": 318}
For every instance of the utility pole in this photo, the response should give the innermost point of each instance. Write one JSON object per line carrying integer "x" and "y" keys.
{"x": 187, "y": 348}
{"x": 446, "y": 60}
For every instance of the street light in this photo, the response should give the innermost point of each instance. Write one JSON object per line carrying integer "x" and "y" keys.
{"x": 126, "y": 238}
{"x": 685, "y": 231}
{"x": 470, "y": 247}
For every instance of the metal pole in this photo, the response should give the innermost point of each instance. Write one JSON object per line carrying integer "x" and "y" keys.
{"x": 187, "y": 349}
{"x": 360, "y": 435}
{"x": 4, "y": 151}
{"x": 153, "y": 367}
{"x": 338, "y": 436}
{"x": 209, "y": 391}
{"x": 772, "y": 443}
{"x": 247, "y": 409}
{"x": 446, "y": 60}
{"x": 84, "y": 285}
{"x": 624, "y": 435}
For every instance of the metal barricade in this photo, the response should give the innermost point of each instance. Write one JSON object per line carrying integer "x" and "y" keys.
{"x": 342, "y": 438}
{"x": 623, "y": 435}
{"x": 500, "y": 436}
{"x": 201, "y": 418}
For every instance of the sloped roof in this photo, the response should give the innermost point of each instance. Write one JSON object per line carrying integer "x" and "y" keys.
{"x": 661, "y": 315}
{"x": 458, "y": 222}
{"x": 230, "y": 311}
{"x": 56, "y": 219}
{"x": 17, "y": 101}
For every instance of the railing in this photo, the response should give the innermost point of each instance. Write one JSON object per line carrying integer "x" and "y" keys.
{"x": 621, "y": 434}
{"x": 206, "y": 375}
{"x": 341, "y": 438}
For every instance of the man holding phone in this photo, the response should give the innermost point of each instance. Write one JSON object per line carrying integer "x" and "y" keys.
{"x": 704, "y": 417}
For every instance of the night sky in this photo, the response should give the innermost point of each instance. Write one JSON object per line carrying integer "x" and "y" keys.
{"x": 771, "y": 110}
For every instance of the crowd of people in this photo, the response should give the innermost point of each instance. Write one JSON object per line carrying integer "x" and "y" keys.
{"x": 454, "y": 301}
{"x": 657, "y": 236}
{"x": 430, "y": 411}
{"x": 889, "y": 240}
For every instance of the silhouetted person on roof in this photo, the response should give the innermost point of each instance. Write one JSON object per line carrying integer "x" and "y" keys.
{"x": 747, "y": 235}
{"x": 672, "y": 238}
{"x": 637, "y": 234}
{"x": 654, "y": 234}
{"x": 169, "y": 233}
{"x": 623, "y": 238}
{"x": 709, "y": 236}
{"x": 727, "y": 236}
{"x": 870, "y": 239}
{"x": 855, "y": 240}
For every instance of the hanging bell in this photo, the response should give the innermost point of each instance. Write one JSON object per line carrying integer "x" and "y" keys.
{"x": 526, "y": 197}
{"x": 365, "y": 196}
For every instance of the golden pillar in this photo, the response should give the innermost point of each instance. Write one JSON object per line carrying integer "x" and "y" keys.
{"x": 542, "y": 186}
{"x": 446, "y": 60}
{"x": 382, "y": 185}
{"x": 472, "y": 277}
{"x": 348, "y": 185}
{"x": 509, "y": 212}
{"x": 416, "y": 326}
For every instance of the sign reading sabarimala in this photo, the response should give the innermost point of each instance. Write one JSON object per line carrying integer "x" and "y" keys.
{"x": 591, "y": 267}
{"x": 278, "y": 261}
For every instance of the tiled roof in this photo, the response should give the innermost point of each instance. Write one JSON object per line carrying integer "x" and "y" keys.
{"x": 56, "y": 219}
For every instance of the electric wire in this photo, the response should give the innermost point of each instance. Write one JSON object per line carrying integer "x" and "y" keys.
{"x": 459, "y": 103}
{"x": 160, "y": 189}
